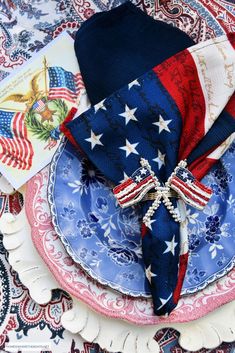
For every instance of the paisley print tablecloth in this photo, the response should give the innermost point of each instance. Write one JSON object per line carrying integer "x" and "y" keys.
{"x": 26, "y": 27}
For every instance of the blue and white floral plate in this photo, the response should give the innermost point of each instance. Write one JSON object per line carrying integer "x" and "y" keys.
{"x": 212, "y": 231}
{"x": 105, "y": 240}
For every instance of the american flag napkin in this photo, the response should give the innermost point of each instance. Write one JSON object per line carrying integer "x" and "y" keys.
{"x": 163, "y": 117}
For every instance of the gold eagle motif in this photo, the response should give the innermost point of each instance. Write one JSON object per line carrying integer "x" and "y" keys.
{"x": 31, "y": 96}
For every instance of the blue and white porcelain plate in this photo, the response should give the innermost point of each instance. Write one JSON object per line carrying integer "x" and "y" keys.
{"x": 105, "y": 239}
{"x": 212, "y": 231}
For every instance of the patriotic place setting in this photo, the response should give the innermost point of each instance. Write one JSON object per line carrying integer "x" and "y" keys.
{"x": 117, "y": 193}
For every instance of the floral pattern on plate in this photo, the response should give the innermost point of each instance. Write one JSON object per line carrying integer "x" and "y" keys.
{"x": 76, "y": 282}
{"x": 105, "y": 240}
{"x": 212, "y": 231}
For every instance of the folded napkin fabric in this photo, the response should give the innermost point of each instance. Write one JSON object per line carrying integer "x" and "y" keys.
{"x": 221, "y": 134}
{"x": 116, "y": 46}
{"x": 161, "y": 117}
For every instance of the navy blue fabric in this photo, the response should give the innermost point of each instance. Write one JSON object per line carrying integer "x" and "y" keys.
{"x": 222, "y": 128}
{"x": 115, "y": 47}
{"x": 154, "y": 124}
{"x": 151, "y": 100}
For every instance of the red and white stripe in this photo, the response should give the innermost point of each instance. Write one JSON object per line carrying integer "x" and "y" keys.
{"x": 79, "y": 81}
{"x": 17, "y": 152}
{"x": 65, "y": 93}
{"x": 201, "y": 81}
{"x": 40, "y": 106}
{"x": 215, "y": 65}
{"x": 195, "y": 194}
{"x": 129, "y": 192}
